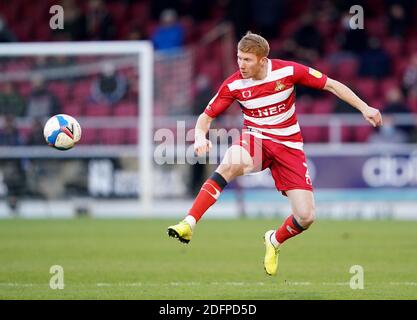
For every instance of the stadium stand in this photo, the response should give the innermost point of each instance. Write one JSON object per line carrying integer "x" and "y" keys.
{"x": 398, "y": 44}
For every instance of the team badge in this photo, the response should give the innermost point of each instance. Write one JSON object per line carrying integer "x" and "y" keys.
{"x": 279, "y": 86}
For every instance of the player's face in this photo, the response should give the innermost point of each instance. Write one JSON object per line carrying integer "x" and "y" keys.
{"x": 250, "y": 65}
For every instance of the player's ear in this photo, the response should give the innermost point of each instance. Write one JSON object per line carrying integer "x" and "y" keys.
{"x": 263, "y": 60}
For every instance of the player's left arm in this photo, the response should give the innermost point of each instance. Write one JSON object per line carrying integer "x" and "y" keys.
{"x": 372, "y": 115}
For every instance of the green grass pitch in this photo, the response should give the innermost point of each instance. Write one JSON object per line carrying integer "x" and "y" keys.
{"x": 135, "y": 259}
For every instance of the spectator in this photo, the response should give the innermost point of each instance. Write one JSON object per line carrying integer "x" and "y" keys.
{"x": 397, "y": 20}
{"x": 11, "y": 102}
{"x": 413, "y": 134}
{"x": 268, "y": 16}
{"x": 14, "y": 178}
{"x": 395, "y": 102}
{"x": 410, "y": 74}
{"x": 169, "y": 34}
{"x": 5, "y": 34}
{"x": 308, "y": 40}
{"x": 351, "y": 40}
{"x": 388, "y": 133}
{"x": 36, "y": 137}
{"x": 9, "y": 133}
{"x": 203, "y": 94}
{"x": 110, "y": 87}
{"x": 74, "y": 23}
{"x": 42, "y": 103}
{"x": 99, "y": 24}
{"x": 374, "y": 62}
{"x": 136, "y": 33}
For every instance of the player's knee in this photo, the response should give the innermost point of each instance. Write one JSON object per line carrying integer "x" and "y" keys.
{"x": 230, "y": 171}
{"x": 306, "y": 217}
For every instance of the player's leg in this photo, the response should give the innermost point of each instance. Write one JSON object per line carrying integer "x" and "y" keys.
{"x": 290, "y": 174}
{"x": 237, "y": 161}
{"x": 303, "y": 215}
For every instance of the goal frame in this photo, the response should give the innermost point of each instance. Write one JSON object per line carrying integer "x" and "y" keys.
{"x": 145, "y": 55}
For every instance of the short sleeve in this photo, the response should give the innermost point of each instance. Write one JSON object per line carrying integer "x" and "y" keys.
{"x": 308, "y": 76}
{"x": 220, "y": 102}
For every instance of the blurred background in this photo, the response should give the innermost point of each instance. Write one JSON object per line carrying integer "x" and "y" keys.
{"x": 357, "y": 171}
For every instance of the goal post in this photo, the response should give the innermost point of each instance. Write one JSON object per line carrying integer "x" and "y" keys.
{"x": 145, "y": 58}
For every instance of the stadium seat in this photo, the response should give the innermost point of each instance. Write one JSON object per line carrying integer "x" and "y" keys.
{"x": 95, "y": 110}
{"x": 376, "y": 27}
{"x": 322, "y": 106}
{"x": 132, "y": 136}
{"x": 113, "y": 136}
{"x": 367, "y": 88}
{"x": 88, "y": 136}
{"x": 81, "y": 90}
{"x": 313, "y": 134}
{"x": 126, "y": 110}
{"x": 412, "y": 103}
{"x": 362, "y": 133}
{"x": 347, "y": 69}
{"x": 393, "y": 46}
{"x": 73, "y": 109}
{"x": 59, "y": 89}
{"x": 386, "y": 84}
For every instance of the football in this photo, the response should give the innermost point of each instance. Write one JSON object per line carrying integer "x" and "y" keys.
{"x": 62, "y": 132}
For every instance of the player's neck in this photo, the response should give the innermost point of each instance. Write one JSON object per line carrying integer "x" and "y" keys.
{"x": 262, "y": 73}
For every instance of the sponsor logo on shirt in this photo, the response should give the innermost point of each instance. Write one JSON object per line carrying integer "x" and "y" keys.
{"x": 246, "y": 94}
{"x": 315, "y": 73}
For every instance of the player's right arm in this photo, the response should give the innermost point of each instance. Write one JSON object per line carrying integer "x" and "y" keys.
{"x": 220, "y": 102}
{"x": 201, "y": 143}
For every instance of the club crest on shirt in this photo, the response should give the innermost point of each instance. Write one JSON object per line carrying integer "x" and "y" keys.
{"x": 315, "y": 73}
{"x": 279, "y": 86}
{"x": 246, "y": 94}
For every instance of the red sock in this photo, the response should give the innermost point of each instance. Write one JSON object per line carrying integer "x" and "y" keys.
{"x": 208, "y": 195}
{"x": 288, "y": 229}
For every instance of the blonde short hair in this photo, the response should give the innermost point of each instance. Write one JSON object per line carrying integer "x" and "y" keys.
{"x": 254, "y": 43}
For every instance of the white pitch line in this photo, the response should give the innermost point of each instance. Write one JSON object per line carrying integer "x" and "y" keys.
{"x": 216, "y": 283}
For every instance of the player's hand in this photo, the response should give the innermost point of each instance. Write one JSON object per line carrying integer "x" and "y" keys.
{"x": 201, "y": 146}
{"x": 373, "y": 116}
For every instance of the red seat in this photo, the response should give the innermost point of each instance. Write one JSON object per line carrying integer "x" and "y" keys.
{"x": 367, "y": 88}
{"x": 322, "y": 106}
{"x": 126, "y": 110}
{"x": 73, "y": 109}
{"x": 362, "y": 133}
{"x": 88, "y": 136}
{"x": 94, "y": 110}
{"x": 347, "y": 69}
{"x": 132, "y": 136}
{"x": 59, "y": 89}
{"x": 313, "y": 134}
{"x": 412, "y": 103}
{"x": 81, "y": 90}
{"x": 393, "y": 46}
{"x": 113, "y": 136}
{"x": 386, "y": 84}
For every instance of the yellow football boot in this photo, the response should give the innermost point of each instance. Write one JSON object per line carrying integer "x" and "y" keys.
{"x": 271, "y": 254}
{"x": 182, "y": 231}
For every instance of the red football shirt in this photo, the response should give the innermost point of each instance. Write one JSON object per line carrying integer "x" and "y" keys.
{"x": 268, "y": 105}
